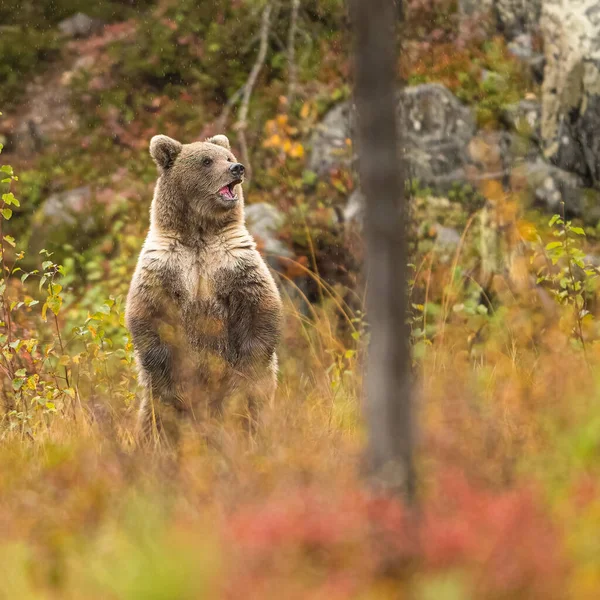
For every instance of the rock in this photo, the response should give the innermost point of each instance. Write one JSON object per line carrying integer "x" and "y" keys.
{"x": 490, "y": 155}
{"x": 472, "y": 7}
{"x": 524, "y": 118}
{"x": 264, "y": 222}
{"x": 329, "y": 147}
{"x": 80, "y": 26}
{"x": 571, "y": 89}
{"x": 69, "y": 217}
{"x": 446, "y": 237}
{"x": 517, "y": 16}
{"x": 513, "y": 17}
{"x": 437, "y": 128}
{"x": 354, "y": 209}
{"x": 65, "y": 208}
{"x": 522, "y": 48}
{"x": 546, "y": 184}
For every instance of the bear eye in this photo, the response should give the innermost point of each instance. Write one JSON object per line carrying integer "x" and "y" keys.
{"x": 207, "y": 162}
{"x": 229, "y": 159}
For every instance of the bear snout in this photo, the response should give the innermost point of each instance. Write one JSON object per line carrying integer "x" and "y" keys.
{"x": 237, "y": 170}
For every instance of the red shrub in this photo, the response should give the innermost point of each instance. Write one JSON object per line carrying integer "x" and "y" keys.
{"x": 308, "y": 543}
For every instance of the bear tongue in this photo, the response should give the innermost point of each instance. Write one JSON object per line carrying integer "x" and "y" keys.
{"x": 226, "y": 191}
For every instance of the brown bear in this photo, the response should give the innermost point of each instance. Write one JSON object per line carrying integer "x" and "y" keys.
{"x": 203, "y": 309}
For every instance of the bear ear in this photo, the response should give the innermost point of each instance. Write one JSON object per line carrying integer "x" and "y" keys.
{"x": 219, "y": 140}
{"x": 164, "y": 150}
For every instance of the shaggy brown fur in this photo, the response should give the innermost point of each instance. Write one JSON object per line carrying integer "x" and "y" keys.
{"x": 203, "y": 310}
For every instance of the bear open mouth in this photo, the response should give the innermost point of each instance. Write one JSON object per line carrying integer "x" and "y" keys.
{"x": 227, "y": 190}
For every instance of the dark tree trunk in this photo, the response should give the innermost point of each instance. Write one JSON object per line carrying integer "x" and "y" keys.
{"x": 388, "y": 380}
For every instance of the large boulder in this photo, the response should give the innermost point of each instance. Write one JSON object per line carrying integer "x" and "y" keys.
{"x": 437, "y": 128}
{"x": 571, "y": 89}
{"x": 546, "y": 185}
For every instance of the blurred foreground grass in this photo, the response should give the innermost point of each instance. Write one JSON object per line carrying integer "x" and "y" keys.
{"x": 508, "y": 465}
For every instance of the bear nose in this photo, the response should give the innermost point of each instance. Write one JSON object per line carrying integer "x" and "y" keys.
{"x": 237, "y": 169}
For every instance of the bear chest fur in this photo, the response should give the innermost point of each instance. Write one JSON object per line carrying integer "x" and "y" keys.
{"x": 213, "y": 293}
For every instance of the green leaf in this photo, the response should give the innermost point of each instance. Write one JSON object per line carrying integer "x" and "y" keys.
{"x": 553, "y": 220}
{"x": 54, "y": 303}
{"x": 9, "y": 199}
{"x": 6, "y": 213}
{"x": 553, "y": 245}
{"x": 10, "y": 240}
{"x": 47, "y": 264}
{"x": 104, "y": 309}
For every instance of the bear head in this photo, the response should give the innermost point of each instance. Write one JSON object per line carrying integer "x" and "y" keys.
{"x": 199, "y": 187}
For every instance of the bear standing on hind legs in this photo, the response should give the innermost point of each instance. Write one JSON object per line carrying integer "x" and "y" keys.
{"x": 203, "y": 309}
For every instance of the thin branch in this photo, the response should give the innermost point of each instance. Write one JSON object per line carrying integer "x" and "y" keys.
{"x": 242, "y": 122}
{"x": 222, "y": 119}
{"x": 291, "y": 54}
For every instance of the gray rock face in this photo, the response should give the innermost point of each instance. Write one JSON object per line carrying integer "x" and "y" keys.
{"x": 524, "y": 118}
{"x": 571, "y": 89}
{"x": 547, "y": 185}
{"x": 513, "y": 17}
{"x": 79, "y": 26}
{"x": 264, "y": 222}
{"x": 329, "y": 147}
{"x": 472, "y": 7}
{"x": 522, "y": 47}
{"x": 437, "y": 129}
{"x": 443, "y": 148}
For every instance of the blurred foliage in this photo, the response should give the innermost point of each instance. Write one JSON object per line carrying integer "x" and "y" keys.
{"x": 23, "y": 52}
{"x": 485, "y": 76}
{"x": 46, "y": 15}
{"x": 29, "y": 39}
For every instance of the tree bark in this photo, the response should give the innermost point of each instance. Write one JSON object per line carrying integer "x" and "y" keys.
{"x": 388, "y": 408}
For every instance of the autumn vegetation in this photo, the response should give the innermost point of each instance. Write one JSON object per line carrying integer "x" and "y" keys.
{"x": 506, "y": 349}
